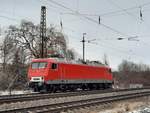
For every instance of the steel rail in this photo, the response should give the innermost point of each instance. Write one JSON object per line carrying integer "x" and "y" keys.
{"x": 55, "y": 108}
{"x": 20, "y": 98}
{"x": 28, "y": 97}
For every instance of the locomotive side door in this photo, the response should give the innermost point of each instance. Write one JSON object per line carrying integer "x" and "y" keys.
{"x": 54, "y": 71}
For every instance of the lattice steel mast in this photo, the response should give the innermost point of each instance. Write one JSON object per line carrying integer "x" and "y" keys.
{"x": 43, "y": 51}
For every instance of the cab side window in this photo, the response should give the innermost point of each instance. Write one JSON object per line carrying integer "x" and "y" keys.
{"x": 54, "y": 66}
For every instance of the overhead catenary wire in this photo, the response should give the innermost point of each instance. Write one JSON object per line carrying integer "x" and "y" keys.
{"x": 121, "y": 53}
{"x": 108, "y": 27}
{"x": 95, "y": 21}
{"x": 119, "y": 48}
{"x": 123, "y": 10}
{"x": 17, "y": 20}
{"x": 111, "y": 46}
{"x": 69, "y": 9}
{"x": 108, "y": 40}
{"x": 130, "y": 14}
{"x": 90, "y": 19}
{"x": 9, "y": 18}
{"x": 77, "y": 14}
{"x": 114, "y": 12}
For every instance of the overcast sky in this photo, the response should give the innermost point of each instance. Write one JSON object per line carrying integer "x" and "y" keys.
{"x": 119, "y": 19}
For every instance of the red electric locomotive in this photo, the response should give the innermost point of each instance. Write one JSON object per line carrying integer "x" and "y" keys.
{"x": 52, "y": 75}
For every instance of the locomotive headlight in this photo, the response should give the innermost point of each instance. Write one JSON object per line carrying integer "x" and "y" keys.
{"x": 37, "y": 79}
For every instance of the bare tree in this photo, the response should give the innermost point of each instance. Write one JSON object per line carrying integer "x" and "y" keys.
{"x": 28, "y": 36}
{"x": 71, "y": 54}
{"x": 21, "y": 43}
{"x": 6, "y": 50}
{"x": 132, "y": 73}
{"x": 128, "y": 66}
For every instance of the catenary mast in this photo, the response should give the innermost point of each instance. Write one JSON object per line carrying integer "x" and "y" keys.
{"x": 43, "y": 50}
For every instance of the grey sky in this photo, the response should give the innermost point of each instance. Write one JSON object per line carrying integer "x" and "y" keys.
{"x": 127, "y": 22}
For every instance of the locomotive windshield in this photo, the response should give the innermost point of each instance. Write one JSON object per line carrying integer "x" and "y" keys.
{"x": 37, "y": 65}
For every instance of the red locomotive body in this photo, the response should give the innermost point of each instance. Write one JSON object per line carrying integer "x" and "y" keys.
{"x": 52, "y": 74}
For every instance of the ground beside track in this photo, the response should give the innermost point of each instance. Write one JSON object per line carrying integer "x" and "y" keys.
{"x": 137, "y": 105}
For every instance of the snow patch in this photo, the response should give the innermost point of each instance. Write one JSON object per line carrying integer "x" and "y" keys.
{"x": 15, "y": 92}
{"x": 142, "y": 110}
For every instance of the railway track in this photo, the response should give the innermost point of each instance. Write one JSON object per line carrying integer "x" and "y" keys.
{"x": 91, "y": 100}
{"x": 57, "y": 107}
{"x": 34, "y": 96}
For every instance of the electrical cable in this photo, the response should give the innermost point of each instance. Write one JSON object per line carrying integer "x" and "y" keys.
{"x": 90, "y": 19}
{"x": 130, "y": 14}
{"x": 9, "y": 18}
{"x": 114, "y": 12}
{"x": 13, "y": 19}
{"x": 112, "y": 3}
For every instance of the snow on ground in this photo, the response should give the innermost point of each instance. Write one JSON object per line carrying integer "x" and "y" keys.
{"x": 15, "y": 92}
{"x": 142, "y": 110}
{"x": 123, "y": 107}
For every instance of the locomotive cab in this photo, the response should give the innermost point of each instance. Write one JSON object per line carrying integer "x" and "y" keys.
{"x": 40, "y": 72}
{"x": 37, "y": 73}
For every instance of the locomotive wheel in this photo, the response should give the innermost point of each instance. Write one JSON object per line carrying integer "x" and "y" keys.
{"x": 45, "y": 87}
{"x": 36, "y": 89}
{"x": 54, "y": 89}
{"x": 84, "y": 87}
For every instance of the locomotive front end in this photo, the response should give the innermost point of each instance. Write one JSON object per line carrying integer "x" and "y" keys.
{"x": 37, "y": 73}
